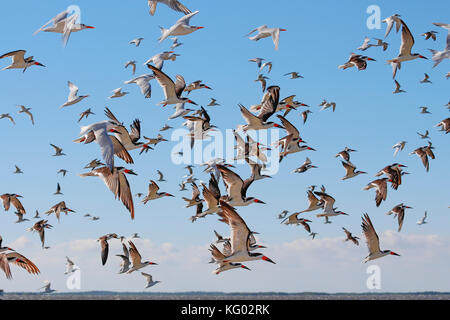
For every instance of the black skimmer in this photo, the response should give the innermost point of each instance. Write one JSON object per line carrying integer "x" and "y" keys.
{"x": 399, "y": 212}
{"x": 40, "y": 227}
{"x": 12, "y": 198}
{"x": 218, "y": 257}
{"x": 58, "y": 151}
{"x": 153, "y": 193}
{"x": 236, "y": 188}
{"x": 445, "y": 125}
{"x": 19, "y": 61}
{"x": 305, "y": 166}
{"x": 394, "y": 173}
{"x": 136, "y": 41}
{"x": 380, "y": 186}
{"x": 405, "y": 50}
{"x": 430, "y": 34}
{"x": 7, "y": 116}
{"x": 372, "y": 240}
{"x": 70, "y": 266}
{"x": 390, "y": 23}
{"x": 196, "y": 85}
{"x": 398, "y": 147}
{"x": 314, "y": 202}
{"x": 18, "y": 170}
{"x": 136, "y": 260}
{"x": 351, "y": 171}
{"x": 397, "y": 88}
{"x": 262, "y": 79}
{"x": 19, "y": 260}
{"x": 425, "y": 79}
{"x": 294, "y": 75}
{"x": 290, "y": 143}
{"x": 85, "y": 114}
{"x": 58, "y": 208}
{"x": 350, "y": 237}
{"x": 423, "y": 153}
{"x": 125, "y": 264}
{"x": 118, "y": 93}
{"x": 328, "y": 205}
{"x": 356, "y": 60}
{"x": 131, "y": 63}
{"x": 158, "y": 59}
{"x": 213, "y": 103}
{"x": 117, "y": 182}
{"x": 105, "y": 245}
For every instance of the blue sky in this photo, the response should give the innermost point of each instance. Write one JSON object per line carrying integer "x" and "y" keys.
{"x": 368, "y": 118}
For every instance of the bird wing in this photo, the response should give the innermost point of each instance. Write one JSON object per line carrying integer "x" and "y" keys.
{"x": 134, "y": 254}
{"x": 239, "y": 231}
{"x": 407, "y": 40}
{"x": 125, "y": 193}
{"x": 4, "y": 265}
{"x": 216, "y": 254}
{"x": 164, "y": 81}
{"x": 209, "y": 197}
{"x": 105, "y": 249}
{"x": 248, "y": 116}
{"x": 6, "y": 201}
{"x": 120, "y": 151}
{"x": 135, "y": 128}
{"x": 106, "y": 146}
{"x": 350, "y": 168}
{"x": 290, "y": 128}
{"x": 269, "y": 106}
{"x": 17, "y": 56}
{"x": 73, "y": 91}
{"x": 185, "y": 19}
{"x": 18, "y": 205}
{"x": 232, "y": 181}
{"x": 329, "y": 200}
{"x": 373, "y": 243}
{"x": 152, "y": 188}
{"x": 276, "y": 37}
{"x": 21, "y": 261}
{"x": 180, "y": 85}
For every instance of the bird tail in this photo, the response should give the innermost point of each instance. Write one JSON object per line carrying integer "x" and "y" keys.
{"x": 164, "y": 34}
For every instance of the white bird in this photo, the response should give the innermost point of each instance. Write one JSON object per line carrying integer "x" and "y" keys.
{"x": 150, "y": 282}
{"x": 373, "y": 243}
{"x": 180, "y": 28}
{"x": 173, "y": 4}
{"x": 175, "y": 43}
{"x": 180, "y": 111}
{"x": 172, "y": 90}
{"x": 399, "y": 146}
{"x": 264, "y": 32}
{"x": 405, "y": 50}
{"x": 266, "y": 64}
{"x": 143, "y": 81}
{"x": 422, "y": 220}
{"x": 19, "y": 61}
{"x": 125, "y": 265}
{"x": 158, "y": 59}
{"x": 390, "y": 22}
{"x": 73, "y": 97}
{"x": 131, "y": 63}
{"x": 117, "y": 93}
{"x": 136, "y": 41}
{"x": 438, "y": 56}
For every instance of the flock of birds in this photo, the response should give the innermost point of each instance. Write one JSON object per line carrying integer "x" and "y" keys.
{"x": 115, "y": 140}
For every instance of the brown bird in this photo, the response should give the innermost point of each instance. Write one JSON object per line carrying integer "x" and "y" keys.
{"x": 350, "y": 237}
{"x": 40, "y": 227}
{"x": 399, "y": 211}
{"x": 345, "y": 154}
{"x": 153, "y": 192}
{"x": 105, "y": 246}
{"x": 11, "y": 198}
{"x": 58, "y": 208}
{"x": 423, "y": 153}
{"x": 381, "y": 189}
{"x": 394, "y": 173}
{"x": 445, "y": 124}
{"x": 117, "y": 182}
{"x": 17, "y": 259}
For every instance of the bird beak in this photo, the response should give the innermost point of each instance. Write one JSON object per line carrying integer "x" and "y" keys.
{"x": 244, "y": 267}
{"x": 199, "y": 28}
{"x": 312, "y": 149}
{"x": 371, "y": 59}
{"x": 153, "y": 263}
{"x": 261, "y": 247}
{"x": 423, "y": 57}
{"x": 132, "y": 172}
{"x": 90, "y": 27}
{"x": 190, "y": 101}
{"x": 259, "y": 201}
{"x": 283, "y": 30}
{"x": 114, "y": 131}
{"x": 39, "y": 64}
{"x": 267, "y": 259}
{"x": 395, "y": 254}
{"x": 169, "y": 195}
{"x": 278, "y": 126}
{"x": 363, "y": 172}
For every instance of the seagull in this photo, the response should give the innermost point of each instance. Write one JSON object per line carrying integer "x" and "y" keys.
{"x": 405, "y": 50}
{"x": 264, "y": 32}
{"x": 430, "y": 34}
{"x": 173, "y": 4}
{"x": 425, "y": 79}
{"x": 105, "y": 245}
{"x": 17, "y": 170}
{"x": 73, "y": 97}
{"x": 19, "y": 61}
{"x": 399, "y": 146}
{"x": 438, "y": 56}
{"x": 397, "y": 88}
{"x": 153, "y": 193}
{"x": 422, "y": 220}
{"x": 131, "y": 63}
{"x": 117, "y": 184}
{"x": 136, "y": 259}
{"x": 172, "y": 90}
{"x": 7, "y": 116}
{"x": 180, "y": 28}
{"x": 350, "y": 237}
{"x": 390, "y": 22}
{"x": 143, "y": 81}
{"x": 117, "y": 93}
{"x": 136, "y": 41}
{"x": 26, "y": 111}
{"x": 85, "y": 114}
{"x": 372, "y": 240}
{"x": 294, "y": 75}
